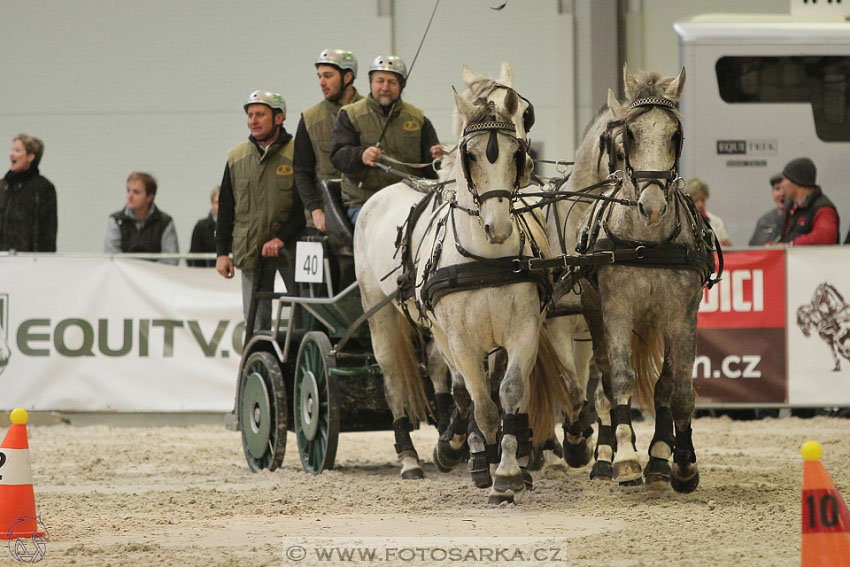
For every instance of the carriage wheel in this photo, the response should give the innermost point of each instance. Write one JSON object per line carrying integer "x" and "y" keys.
{"x": 316, "y": 403}
{"x": 263, "y": 412}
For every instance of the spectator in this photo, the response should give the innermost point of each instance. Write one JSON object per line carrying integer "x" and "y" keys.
{"x": 770, "y": 224}
{"x": 27, "y": 200}
{"x": 381, "y": 123}
{"x": 698, "y": 190}
{"x": 203, "y": 236}
{"x": 259, "y": 209}
{"x": 811, "y": 218}
{"x": 141, "y": 227}
{"x": 336, "y": 69}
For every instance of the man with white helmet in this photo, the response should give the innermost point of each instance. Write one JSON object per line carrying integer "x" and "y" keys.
{"x": 379, "y": 124}
{"x": 336, "y": 69}
{"x": 258, "y": 206}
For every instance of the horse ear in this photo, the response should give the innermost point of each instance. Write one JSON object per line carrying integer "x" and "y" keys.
{"x": 469, "y": 76}
{"x": 614, "y": 105}
{"x": 463, "y": 106}
{"x": 507, "y": 75}
{"x": 511, "y": 103}
{"x": 629, "y": 82}
{"x": 676, "y": 86}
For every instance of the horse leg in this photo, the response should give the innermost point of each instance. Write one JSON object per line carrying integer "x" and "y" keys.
{"x": 452, "y": 447}
{"x": 604, "y": 452}
{"x": 657, "y": 470}
{"x": 605, "y": 443}
{"x": 512, "y": 478}
{"x": 685, "y": 474}
{"x": 484, "y": 425}
{"x": 438, "y": 372}
{"x": 385, "y": 332}
{"x": 571, "y": 343}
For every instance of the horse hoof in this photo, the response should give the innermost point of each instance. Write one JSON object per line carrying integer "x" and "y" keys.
{"x": 684, "y": 484}
{"x": 602, "y": 470}
{"x": 497, "y": 498}
{"x": 636, "y": 482}
{"x": 481, "y": 479}
{"x": 527, "y": 479}
{"x": 412, "y": 474}
{"x": 577, "y": 455}
{"x": 535, "y": 459}
{"x": 627, "y": 471}
{"x": 446, "y": 458}
{"x": 479, "y": 469}
{"x": 657, "y": 473}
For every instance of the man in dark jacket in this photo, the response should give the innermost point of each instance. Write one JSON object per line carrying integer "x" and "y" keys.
{"x": 811, "y": 217}
{"x": 141, "y": 227}
{"x": 770, "y": 224}
{"x": 27, "y": 200}
{"x": 203, "y": 236}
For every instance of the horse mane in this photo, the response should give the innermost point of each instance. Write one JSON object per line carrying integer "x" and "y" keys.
{"x": 649, "y": 83}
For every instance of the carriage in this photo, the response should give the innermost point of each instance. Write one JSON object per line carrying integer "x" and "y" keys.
{"x": 314, "y": 372}
{"x": 493, "y": 285}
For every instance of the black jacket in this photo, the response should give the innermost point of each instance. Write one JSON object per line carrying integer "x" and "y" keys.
{"x": 203, "y": 240}
{"x": 27, "y": 212}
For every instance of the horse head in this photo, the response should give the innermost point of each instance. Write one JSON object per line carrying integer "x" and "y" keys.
{"x": 648, "y": 134}
{"x": 804, "y": 319}
{"x": 491, "y": 163}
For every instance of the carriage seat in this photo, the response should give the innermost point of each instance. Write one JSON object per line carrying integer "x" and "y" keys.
{"x": 339, "y": 229}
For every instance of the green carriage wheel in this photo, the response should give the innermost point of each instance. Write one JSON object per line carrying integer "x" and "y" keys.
{"x": 316, "y": 403}
{"x": 263, "y": 412}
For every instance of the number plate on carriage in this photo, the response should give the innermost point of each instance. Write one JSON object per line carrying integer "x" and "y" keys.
{"x": 309, "y": 262}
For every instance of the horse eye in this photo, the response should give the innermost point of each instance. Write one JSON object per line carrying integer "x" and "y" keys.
{"x": 621, "y": 156}
{"x": 631, "y": 135}
{"x": 471, "y": 157}
{"x": 676, "y": 138}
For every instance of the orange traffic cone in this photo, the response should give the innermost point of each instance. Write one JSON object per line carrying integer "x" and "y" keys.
{"x": 17, "y": 501}
{"x": 826, "y": 520}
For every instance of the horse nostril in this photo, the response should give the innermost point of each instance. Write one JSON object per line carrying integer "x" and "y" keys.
{"x": 641, "y": 209}
{"x": 487, "y": 229}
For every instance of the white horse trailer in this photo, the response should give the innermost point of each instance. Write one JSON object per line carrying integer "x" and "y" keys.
{"x": 762, "y": 90}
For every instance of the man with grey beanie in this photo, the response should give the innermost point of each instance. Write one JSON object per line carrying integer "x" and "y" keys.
{"x": 811, "y": 217}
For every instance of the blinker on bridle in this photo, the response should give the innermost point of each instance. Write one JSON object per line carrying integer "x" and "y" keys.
{"x": 494, "y": 127}
{"x": 663, "y": 179}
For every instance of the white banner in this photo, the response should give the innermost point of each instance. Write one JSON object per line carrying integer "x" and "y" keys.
{"x": 102, "y": 334}
{"x": 818, "y": 287}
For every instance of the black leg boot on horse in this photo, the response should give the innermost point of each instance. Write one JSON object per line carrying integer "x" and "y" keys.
{"x": 626, "y": 472}
{"x": 452, "y": 448}
{"x": 685, "y": 474}
{"x": 410, "y": 468}
{"x": 481, "y": 456}
{"x": 511, "y": 479}
{"x": 657, "y": 470}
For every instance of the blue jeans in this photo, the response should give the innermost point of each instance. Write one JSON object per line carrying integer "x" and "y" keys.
{"x": 353, "y": 213}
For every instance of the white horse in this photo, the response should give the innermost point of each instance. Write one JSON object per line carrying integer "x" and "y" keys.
{"x": 501, "y": 306}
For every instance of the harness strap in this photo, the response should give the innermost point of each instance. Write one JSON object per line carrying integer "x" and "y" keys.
{"x": 497, "y": 272}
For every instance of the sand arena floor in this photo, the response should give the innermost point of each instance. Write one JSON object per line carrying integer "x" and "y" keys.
{"x": 184, "y": 496}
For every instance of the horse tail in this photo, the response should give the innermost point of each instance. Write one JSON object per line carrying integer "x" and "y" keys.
{"x": 413, "y": 390}
{"x": 546, "y": 389}
{"x": 647, "y": 358}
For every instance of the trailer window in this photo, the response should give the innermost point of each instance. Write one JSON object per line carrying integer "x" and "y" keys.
{"x": 820, "y": 80}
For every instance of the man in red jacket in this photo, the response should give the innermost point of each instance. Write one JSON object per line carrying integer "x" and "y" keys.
{"x": 811, "y": 218}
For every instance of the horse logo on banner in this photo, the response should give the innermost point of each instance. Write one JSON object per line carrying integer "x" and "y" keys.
{"x": 829, "y": 315}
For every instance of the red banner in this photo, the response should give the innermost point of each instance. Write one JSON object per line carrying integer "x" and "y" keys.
{"x": 751, "y": 293}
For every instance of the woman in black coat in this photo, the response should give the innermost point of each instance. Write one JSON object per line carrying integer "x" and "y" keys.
{"x": 27, "y": 201}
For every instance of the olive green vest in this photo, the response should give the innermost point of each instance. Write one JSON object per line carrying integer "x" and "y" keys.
{"x": 263, "y": 193}
{"x": 319, "y": 121}
{"x": 402, "y": 141}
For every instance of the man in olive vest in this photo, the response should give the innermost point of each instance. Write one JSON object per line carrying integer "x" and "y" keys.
{"x": 141, "y": 227}
{"x": 336, "y": 69}
{"x": 259, "y": 211}
{"x": 379, "y": 124}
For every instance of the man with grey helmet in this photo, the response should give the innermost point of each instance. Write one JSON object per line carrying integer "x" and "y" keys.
{"x": 336, "y": 70}
{"x": 259, "y": 211}
{"x": 381, "y": 123}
